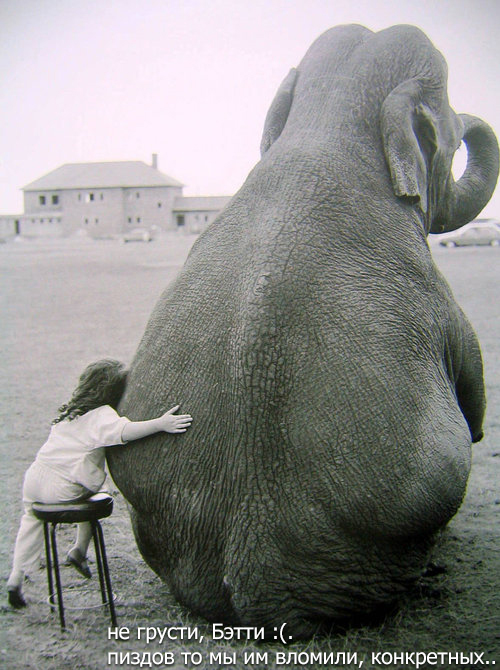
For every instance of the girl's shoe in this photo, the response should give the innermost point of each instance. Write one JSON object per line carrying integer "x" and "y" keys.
{"x": 16, "y": 598}
{"x": 79, "y": 562}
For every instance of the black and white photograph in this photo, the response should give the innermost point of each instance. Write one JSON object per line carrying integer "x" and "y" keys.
{"x": 249, "y": 324}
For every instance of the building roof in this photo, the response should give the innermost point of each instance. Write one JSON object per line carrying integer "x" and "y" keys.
{"x": 203, "y": 203}
{"x": 117, "y": 174}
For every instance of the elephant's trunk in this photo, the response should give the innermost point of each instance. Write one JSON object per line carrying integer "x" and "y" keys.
{"x": 465, "y": 198}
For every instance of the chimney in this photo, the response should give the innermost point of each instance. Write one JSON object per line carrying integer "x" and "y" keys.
{"x": 154, "y": 161}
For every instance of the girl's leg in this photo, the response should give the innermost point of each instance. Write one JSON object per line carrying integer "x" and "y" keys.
{"x": 83, "y": 537}
{"x": 77, "y": 556}
{"x": 28, "y": 547}
{"x": 27, "y": 550}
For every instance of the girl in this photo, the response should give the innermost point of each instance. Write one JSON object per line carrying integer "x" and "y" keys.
{"x": 70, "y": 465}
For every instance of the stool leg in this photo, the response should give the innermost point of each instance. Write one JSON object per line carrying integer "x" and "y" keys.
{"x": 98, "y": 559}
{"x": 48, "y": 560}
{"x": 102, "y": 550}
{"x": 58, "y": 577}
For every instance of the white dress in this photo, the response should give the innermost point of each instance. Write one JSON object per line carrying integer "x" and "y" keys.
{"x": 68, "y": 467}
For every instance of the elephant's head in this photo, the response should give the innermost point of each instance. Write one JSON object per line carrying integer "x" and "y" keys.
{"x": 420, "y": 143}
{"x": 391, "y": 84}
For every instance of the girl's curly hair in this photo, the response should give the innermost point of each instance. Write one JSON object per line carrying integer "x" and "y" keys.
{"x": 101, "y": 383}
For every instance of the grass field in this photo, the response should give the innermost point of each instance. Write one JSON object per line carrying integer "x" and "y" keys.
{"x": 67, "y": 303}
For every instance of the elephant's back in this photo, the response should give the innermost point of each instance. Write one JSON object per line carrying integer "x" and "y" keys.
{"x": 274, "y": 361}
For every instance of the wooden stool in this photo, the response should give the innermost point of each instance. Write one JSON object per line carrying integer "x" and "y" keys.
{"x": 92, "y": 509}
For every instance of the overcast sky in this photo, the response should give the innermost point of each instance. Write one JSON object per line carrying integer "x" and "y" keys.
{"x": 191, "y": 80}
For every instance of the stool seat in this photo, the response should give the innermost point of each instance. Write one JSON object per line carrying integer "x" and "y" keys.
{"x": 98, "y": 506}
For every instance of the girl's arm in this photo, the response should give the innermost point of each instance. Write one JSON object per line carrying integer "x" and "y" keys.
{"x": 168, "y": 422}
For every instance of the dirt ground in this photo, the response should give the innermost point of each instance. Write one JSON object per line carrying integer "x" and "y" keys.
{"x": 66, "y": 303}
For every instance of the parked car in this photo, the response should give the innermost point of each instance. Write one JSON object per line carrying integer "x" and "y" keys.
{"x": 137, "y": 235}
{"x": 482, "y": 235}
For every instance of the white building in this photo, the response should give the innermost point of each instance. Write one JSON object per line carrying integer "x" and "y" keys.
{"x": 196, "y": 212}
{"x": 107, "y": 200}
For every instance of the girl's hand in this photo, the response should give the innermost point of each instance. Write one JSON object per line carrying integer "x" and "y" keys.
{"x": 174, "y": 423}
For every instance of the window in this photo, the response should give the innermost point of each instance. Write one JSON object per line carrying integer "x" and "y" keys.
{"x": 137, "y": 195}
{"x": 41, "y": 199}
{"x": 180, "y": 219}
{"x": 138, "y": 219}
{"x": 55, "y": 199}
{"x": 102, "y": 196}
{"x": 159, "y": 205}
{"x": 90, "y": 197}
{"x": 96, "y": 221}
{"x": 130, "y": 219}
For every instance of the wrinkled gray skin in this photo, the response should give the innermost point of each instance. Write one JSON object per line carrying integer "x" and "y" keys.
{"x": 335, "y": 384}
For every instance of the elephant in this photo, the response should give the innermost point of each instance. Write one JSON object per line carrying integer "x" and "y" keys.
{"x": 335, "y": 385}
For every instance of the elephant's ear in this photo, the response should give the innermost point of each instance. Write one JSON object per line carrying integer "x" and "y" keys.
{"x": 409, "y": 134}
{"x": 278, "y": 112}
